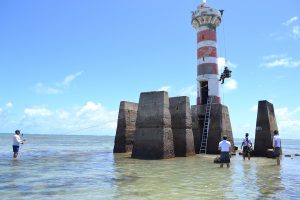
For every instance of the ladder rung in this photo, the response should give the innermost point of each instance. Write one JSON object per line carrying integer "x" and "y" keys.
{"x": 206, "y": 125}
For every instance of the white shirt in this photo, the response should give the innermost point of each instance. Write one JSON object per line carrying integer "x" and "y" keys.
{"x": 16, "y": 140}
{"x": 276, "y": 141}
{"x": 224, "y": 146}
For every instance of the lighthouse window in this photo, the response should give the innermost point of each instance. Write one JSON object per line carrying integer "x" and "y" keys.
{"x": 202, "y": 37}
{"x": 203, "y": 58}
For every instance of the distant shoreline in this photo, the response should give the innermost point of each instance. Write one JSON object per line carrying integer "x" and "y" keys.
{"x": 109, "y": 135}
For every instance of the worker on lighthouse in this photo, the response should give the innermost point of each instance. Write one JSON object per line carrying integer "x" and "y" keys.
{"x": 226, "y": 74}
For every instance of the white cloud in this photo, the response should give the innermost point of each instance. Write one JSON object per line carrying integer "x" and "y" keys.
{"x": 57, "y": 88}
{"x": 230, "y": 85}
{"x": 190, "y": 91}
{"x": 241, "y": 129}
{"x": 1, "y": 110}
{"x": 165, "y": 88}
{"x": 222, "y": 62}
{"x": 279, "y": 61}
{"x": 279, "y": 36}
{"x": 296, "y": 32}
{"x": 68, "y": 79}
{"x": 37, "y": 111}
{"x": 290, "y": 21}
{"x": 91, "y": 118}
{"x": 9, "y": 105}
{"x": 254, "y": 108}
{"x": 40, "y": 88}
{"x": 289, "y": 31}
{"x": 288, "y": 123}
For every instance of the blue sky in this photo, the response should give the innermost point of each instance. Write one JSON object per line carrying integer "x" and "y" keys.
{"x": 66, "y": 65}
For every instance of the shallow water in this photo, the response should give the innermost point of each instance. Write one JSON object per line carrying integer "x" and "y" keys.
{"x": 84, "y": 167}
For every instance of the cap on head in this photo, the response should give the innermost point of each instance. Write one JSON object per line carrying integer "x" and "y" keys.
{"x": 275, "y": 132}
{"x": 224, "y": 137}
{"x": 247, "y": 134}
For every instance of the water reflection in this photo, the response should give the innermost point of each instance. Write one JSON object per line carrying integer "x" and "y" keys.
{"x": 90, "y": 171}
{"x": 268, "y": 179}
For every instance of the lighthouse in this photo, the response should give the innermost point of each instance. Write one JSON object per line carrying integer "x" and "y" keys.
{"x": 210, "y": 118}
{"x": 206, "y": 20}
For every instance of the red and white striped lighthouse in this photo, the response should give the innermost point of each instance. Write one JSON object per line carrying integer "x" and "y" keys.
{"x": 206, "y": 20}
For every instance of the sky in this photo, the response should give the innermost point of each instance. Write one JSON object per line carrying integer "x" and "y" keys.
{"x": 66, "y": 65}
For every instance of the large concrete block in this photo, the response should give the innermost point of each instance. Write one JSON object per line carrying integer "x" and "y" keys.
{"x": 153, "y": 143}
{"x": 182, "y": 126}
{"x": 183, "y": 142}
{"x": 154, "y": 137}
{"x": 126, "y": 127}
{"x": 180, "y": 112}
{"x": 154, "y": 110}
{"x": 219, "y": 125}
{"x": 265, "y": 126}
{"x": 195, "y": 128}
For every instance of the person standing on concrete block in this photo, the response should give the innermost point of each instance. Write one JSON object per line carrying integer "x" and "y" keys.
{"x": 224, "y": 147}
{"x": 246, "y": 146}
{"x": 277, "y": 146}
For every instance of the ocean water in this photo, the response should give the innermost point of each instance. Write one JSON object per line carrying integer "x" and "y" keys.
{"x": 84, "y": 167}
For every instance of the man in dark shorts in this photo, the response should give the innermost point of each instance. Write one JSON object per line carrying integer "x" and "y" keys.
{"x": 16, "y": 143}
{"x": 246, "y": 146}
{"x": 277, "y": 146}
{"x": 225, "y": 147}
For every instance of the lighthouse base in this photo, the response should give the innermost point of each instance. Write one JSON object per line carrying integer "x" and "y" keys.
{"x": 219, "y": 125}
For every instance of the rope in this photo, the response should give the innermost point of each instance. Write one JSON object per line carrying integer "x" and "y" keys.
{"x": 225, "y": 57}
{"x": 224, "y": 38}
{"x": 85, "y": 128}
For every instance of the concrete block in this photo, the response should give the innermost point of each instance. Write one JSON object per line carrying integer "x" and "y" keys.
{"x": 154, "y": 110}
{"x": 126, "y": 127}
{"x": 154, "y": 137}
{"x": 265, "y": 126}
{"x": 183, "y": 142}
{"x": 182, "y": 126}
{"x": 180, "y": 112}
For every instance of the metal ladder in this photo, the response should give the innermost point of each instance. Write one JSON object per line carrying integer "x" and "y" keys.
{"x": 206, "y": 125}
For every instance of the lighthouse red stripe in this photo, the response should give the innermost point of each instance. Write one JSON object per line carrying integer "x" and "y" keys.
{"x": 207, "y": 68}
{"x": 216, "y": 100}
{"x": 206, "y": 35}
{"x": 207, "y": 52}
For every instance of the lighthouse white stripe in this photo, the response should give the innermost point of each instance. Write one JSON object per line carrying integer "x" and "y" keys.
{"x": 202, "y": 28}
{"x": 207, "y": 76}
{"x": 205, "y": 43}
{"x": 207, "y": 60}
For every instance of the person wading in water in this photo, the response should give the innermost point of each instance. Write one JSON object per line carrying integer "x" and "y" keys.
{"x": 246, "y": 146}
{"x": 277, "y": 146}
{"x": 16, "y": 143}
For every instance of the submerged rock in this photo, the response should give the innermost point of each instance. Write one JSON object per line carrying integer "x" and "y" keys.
{"x": 217, "y": 160}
